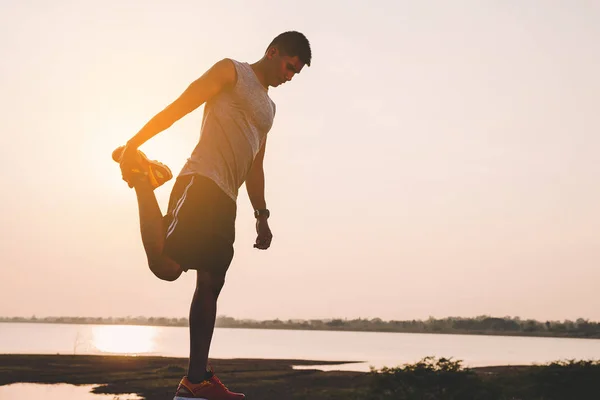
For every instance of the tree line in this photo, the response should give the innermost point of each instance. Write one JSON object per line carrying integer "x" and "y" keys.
{"x": 482, "y": 325}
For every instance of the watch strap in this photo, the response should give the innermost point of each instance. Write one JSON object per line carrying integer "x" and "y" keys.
{"x": 264, "y": 212}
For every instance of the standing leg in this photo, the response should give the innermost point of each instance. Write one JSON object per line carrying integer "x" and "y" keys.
{"x": 200, "y": 236}
{"x": 203, "y": 313}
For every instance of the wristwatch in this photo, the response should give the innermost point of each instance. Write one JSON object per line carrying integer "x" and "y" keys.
{"x": 262, "y": 213}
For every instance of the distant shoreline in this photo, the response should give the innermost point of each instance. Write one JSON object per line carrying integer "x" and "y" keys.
{"x": 487, "y": 326}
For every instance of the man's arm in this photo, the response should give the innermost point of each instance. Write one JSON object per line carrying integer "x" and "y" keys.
{"x": 255, "y": 181}
{"x": 217, "y": 78}
{"x": 255, "y": 185}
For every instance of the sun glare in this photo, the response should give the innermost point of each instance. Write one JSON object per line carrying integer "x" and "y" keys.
{"x": 124, "y": 339}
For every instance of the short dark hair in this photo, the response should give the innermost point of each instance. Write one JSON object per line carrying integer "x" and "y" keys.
{"x": 293, "y": 44}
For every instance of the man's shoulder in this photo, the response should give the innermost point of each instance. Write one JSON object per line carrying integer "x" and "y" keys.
{"x": 225, "y": 70}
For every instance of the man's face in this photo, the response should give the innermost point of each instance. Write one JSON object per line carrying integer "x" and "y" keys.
{"x": 283, "y": 68}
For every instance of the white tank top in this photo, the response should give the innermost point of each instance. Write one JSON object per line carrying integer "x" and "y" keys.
{"x": 234, "y": 127}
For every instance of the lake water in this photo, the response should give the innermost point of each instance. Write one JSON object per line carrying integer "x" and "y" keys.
{"x": 368, "y": 348}
{"x": 56, "y": 392}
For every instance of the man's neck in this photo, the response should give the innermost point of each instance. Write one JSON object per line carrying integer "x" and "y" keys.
{"x": 259, "y": 70}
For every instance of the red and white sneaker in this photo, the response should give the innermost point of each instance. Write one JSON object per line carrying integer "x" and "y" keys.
{"x": 209, "y": 389}
{"x": 156, "y": 172}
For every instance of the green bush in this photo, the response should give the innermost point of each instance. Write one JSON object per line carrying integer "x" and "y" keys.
{"x": 428, "y": 379}
{"x": 446, "y": 379}
{"x": 571, "y": 379}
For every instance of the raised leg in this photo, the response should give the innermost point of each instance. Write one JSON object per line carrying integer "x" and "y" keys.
{"x": 153, "y": 233}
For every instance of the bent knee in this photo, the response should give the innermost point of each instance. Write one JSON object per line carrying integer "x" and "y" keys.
{"x": 165, "y": 270}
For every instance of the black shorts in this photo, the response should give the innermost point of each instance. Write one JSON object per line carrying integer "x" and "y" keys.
{"x": 200, "y": 225}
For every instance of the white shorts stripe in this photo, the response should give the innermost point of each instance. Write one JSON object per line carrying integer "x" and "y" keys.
{"x": 178, "y": 207}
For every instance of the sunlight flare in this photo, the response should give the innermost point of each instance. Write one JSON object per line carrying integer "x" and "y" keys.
{"x": 124, "y": 339}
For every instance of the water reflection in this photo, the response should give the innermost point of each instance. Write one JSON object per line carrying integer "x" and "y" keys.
{"x": 122, "y": 339}
{"x": 361, "y": 367}
{"x": 57, "y": 392}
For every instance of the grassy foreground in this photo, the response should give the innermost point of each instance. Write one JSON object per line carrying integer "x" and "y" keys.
{"x": 155, "y": 378}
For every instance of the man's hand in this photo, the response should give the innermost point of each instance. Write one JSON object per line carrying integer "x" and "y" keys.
{"x": 264, "y": 235}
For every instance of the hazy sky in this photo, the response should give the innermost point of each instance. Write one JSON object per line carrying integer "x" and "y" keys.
{"x": 437, "y": 159}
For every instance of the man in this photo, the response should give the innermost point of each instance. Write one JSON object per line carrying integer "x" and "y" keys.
{"x": 198, "y": 231}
